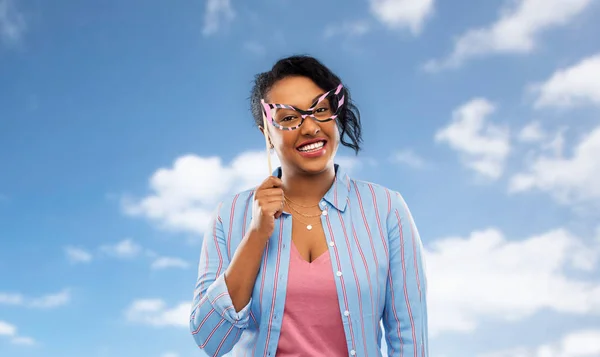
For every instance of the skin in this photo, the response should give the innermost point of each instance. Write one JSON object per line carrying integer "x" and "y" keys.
{"x": 304, "y": 181}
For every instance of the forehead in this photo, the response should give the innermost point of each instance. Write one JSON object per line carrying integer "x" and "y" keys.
{"x": 297, "y": 91}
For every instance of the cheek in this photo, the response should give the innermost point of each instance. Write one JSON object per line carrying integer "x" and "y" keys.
{"x": 333, "y": 131}
{"x": 284, "y": 139}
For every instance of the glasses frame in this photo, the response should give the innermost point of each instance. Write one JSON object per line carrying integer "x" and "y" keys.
{"x": 304, "y": 113}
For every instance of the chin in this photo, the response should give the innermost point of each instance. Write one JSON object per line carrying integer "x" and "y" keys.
{"x": 315, "y": 166}
{"x": 313, "y": 163}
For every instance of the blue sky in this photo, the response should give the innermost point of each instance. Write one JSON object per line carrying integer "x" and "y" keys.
{"x": 123, "y": 124}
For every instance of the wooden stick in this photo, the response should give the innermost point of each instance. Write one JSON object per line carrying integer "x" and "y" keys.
{"x": 267, "y": 143}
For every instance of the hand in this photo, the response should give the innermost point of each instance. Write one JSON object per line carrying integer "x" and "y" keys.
{"x": 267, "y": 205}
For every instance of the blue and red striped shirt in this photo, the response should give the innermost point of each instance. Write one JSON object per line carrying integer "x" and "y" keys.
{"x": 376, "y": 256}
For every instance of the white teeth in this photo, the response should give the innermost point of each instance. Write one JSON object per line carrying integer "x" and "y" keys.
{"x": 312, "y": 147}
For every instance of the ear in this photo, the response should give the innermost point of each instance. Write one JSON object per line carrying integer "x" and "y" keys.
{"x": 262, "y": 130}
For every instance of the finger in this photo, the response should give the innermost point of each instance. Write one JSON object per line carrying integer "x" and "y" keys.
{"x": 280, "y": 210}
{"x": 269, "y": 193}
{"x": 272, "y": 199}
{"x": 274, "y": 207}
{"x": 271, "y": 181}
{"x": 272, "y": 192}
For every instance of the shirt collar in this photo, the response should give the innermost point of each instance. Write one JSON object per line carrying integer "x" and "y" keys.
{"x": 337, "y": 195}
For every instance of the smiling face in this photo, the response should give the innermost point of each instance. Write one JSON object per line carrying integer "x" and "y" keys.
{"x": 309, "y": 149}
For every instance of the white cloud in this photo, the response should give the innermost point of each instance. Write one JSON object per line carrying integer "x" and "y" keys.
{"x": 10, "y": 331}
{"x": 482, "y": 146}
{"x": 217, "y": 14}
{"x": 12, "y": 23}
{"x": 43, "y": 302}
{"x": 571, "y": 179}
{"x": 23, "y": 340}
{"x": 7, "y": 329}
{"x": 11, "y": 299}
{"x": 486, "y": 276}
{"x": 581, "y": 343}
{"x": 573, "y": 86}
{"x": 532, "y": 133}
{"x": 78, "y": 255}
{"x": 154, "y": 312}
{"x": 408, "y": 157}
{"x": 52, "y": 300}
{"x": 184, "y": 196}
{"x": 410, "y": 14}
{"x": 517, "y": 30}
{"x": 126, "y": 248}
{"x": 170, "y": 354}
{"x": 352, "y": 163}
{"x": 169, "y": 262}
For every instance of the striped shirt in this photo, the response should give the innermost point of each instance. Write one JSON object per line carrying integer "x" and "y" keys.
{"x": 376, "y": 256}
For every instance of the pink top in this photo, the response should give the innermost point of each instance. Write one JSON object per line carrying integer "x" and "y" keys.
{"x": 312, "y": 324}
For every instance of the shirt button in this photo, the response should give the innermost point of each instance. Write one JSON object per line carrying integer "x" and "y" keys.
{"x": 339, "y": 273}
{"x": 324, "y": 213}
{"x": 346, "y": 313}
{"x": 331, "y": 244}
{"x": 353, "y": 352}
{"x": 323, "y": 203}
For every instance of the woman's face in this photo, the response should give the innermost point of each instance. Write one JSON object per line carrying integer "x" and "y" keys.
{"x": 300, "y": 150}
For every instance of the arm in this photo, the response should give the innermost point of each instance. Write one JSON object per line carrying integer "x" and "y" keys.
{"x": 241, "y": 274}
{"x": 214, "y": 322}
{"x": 405, "y": 312}
{"x": 223, "y": 293}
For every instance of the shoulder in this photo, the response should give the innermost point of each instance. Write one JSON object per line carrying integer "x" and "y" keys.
{"x": 381, "y": 196}
{"x": 232, "y": 205}
{"x": 388, "y": 204}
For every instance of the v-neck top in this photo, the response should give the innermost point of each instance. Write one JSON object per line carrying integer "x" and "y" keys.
{"x": 311, "y": 323}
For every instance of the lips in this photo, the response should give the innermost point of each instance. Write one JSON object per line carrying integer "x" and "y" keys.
{"x": 312, "y": 149}
{"x": 311, "y": 145}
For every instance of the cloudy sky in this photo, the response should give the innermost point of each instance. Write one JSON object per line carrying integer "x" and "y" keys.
{"x": 123, "y": 123}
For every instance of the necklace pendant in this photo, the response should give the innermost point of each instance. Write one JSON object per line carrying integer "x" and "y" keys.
{"x": 309, "y": 227}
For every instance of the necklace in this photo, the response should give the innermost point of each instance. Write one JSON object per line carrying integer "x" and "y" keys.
{"x": 308, "y": 216}
{"x": 308, "y": 225}
{"x": 291, "y": 203}
{"x": 299, "y": 205}
{"x": 303, "y": 214}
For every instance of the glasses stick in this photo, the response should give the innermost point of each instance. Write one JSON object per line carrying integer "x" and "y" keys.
{"x": 267, "y": 143}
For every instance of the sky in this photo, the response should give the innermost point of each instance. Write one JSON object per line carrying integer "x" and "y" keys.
{"x": 123, "y": 123}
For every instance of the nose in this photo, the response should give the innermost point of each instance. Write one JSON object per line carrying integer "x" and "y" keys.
{"x": 310, "y": 126}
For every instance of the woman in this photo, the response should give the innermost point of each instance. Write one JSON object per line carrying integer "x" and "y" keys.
{"x": 311, "y": 261}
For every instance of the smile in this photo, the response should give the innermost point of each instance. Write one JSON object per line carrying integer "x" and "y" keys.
{"x": 312, "y": 147}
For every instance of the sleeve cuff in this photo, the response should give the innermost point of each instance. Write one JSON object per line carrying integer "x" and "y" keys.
{"x": 219, "y": 298}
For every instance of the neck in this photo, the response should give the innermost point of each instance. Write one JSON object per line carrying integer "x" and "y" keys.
{"x": 306, "y": 188}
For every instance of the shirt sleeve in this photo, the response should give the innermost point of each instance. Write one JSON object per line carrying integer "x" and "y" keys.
{"x": 214, "y": 323}
{"x": 405, "y": 311}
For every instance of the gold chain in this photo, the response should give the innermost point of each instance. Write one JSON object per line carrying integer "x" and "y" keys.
{"x": 297, "y": 204}
{"x": 303, "y": 214}
{"x": 301, "y": 221}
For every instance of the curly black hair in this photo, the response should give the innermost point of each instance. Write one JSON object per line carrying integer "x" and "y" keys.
{"x": 307, "y": 66}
